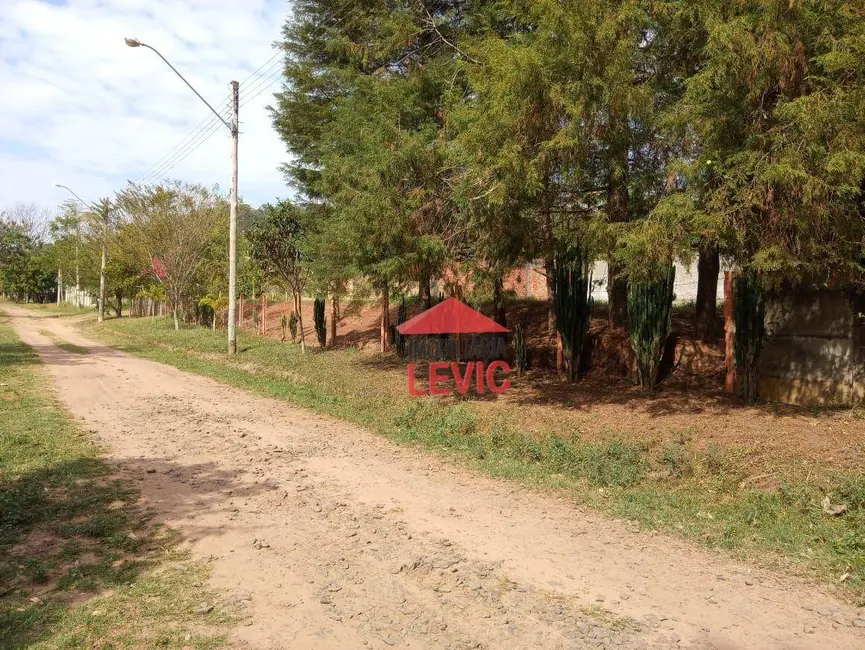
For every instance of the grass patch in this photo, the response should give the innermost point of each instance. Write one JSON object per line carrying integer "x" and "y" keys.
{"x": 675, "y": 484}
{"x": 81, "y": 565}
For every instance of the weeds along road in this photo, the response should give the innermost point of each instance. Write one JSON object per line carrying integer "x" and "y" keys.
{"x": 324, "y": 536}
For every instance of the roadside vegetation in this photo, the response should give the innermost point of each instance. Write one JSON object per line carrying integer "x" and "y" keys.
{"x": 676, "y": 481}
{"x": 81, "y": 564}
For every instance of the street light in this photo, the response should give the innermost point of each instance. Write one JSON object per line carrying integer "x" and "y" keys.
{"x": 96, "y": 210}
{"x": 232, "y": 230}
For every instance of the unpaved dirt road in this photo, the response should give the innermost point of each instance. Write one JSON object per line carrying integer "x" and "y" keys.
{"x": 329, "y": 537}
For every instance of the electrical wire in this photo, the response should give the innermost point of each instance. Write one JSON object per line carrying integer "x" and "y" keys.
{"x": 268, "y": 73}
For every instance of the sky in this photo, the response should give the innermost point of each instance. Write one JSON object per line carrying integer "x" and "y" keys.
{"x": 79, "y": 107}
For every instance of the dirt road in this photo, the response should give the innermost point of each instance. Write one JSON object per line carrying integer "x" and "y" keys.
{"x": 329, "y": 537}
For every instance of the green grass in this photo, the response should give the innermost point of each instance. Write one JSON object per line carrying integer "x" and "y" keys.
{"x": 673, "y": 486}
{"x": 81, "y": 565}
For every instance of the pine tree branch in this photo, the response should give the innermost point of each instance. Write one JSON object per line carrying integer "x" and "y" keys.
{"x": 435, "y": 28}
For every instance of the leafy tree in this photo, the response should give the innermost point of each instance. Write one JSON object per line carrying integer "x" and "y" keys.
{"x": 777, "y": 106}
{"x": 362, "y": 117}
{"x": 171, "y": 230}
{"x": 154, "y": 293}
{"x": 27, "y": 270}
{"x": 276, "y": 240}
{"x": 67, "y": 235}
{"x": 215, "y": 304}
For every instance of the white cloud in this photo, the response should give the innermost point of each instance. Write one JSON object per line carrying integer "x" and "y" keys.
{"x": 81, "y": 108}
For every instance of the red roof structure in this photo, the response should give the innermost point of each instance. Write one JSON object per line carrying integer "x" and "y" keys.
{"x": 450, "y": 317}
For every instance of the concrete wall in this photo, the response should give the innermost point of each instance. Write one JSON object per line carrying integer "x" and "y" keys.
{"x": 529, "y": 282}
{"x": 77, "y": 297}
{"x": 814, "y": 351}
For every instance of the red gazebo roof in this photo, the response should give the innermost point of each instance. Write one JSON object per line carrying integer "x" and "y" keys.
{"x": 450, "y": 317}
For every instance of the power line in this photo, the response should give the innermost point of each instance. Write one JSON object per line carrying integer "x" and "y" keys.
{"x": 264, "y": 79}
{"x": 182, "y": 154}
{"x": 270, "y": 71}
{"x": 157, "y": 168}
{"x": 192, "y": 135}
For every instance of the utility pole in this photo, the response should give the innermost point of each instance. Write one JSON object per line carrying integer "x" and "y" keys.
{"x": 104, "y": 209}
{"x": 59, "y": 286}
{"x": 232, "y": 227}
{"x": 233, "y": 127}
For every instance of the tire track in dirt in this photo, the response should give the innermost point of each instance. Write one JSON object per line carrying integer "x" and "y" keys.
{"x": 326, "y": 536}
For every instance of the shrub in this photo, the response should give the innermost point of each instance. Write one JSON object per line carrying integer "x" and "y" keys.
{"x": 292, "y": 327}
{"x": 320, "y": 321}
{"x": 521, "y": 351}
{"x": 573, "y": 305}
{"x": 714, "y": 460}
{"x": 650, "y": 312}
{"x": 749, "y": 311}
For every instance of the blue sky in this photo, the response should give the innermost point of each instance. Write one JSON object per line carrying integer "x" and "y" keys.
{"x": 82, "y": 109}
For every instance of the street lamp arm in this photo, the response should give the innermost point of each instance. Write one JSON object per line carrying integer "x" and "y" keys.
{"x": 168, "y": 63}
{"x": 80, "y": 200}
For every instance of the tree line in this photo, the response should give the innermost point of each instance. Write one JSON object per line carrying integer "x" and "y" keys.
{"x": 483, "y": 134}
{"x": 463, "y": 138}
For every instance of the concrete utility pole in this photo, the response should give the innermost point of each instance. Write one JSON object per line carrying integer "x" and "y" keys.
{"x": 104, "y": 213}
{"x": 233, "y": 127}
{"x": 232, "y": 227}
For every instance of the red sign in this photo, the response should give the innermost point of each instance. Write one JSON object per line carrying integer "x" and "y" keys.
{"x": 452, "y": 317}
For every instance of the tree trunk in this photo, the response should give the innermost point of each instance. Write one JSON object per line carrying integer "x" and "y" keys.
{"x": 617, "y": 294}
{"x": 385, "y": 316}
{"x": 549, "y": 269}
{"x": 560, "y": 354}
{"x": 729, "y": 335}
{"x": 176, "y": 322}
{"x": 334, "y": 316}
{"x": 118, "y": 308}
{"x": 618, "y": 206}
{"x": 424, "y": 291}
{"x": 298, "y": 305}
{"x": 499, "y": 302}
{"x": 708, "y": 269}
{"x": 213, "y": 324}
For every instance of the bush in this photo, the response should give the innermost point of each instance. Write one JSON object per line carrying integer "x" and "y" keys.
{"x": 292, "y": 327}
{"x": 618, "y": 463}
{"x": 320, "y": 321}
{"x": 650, "y": 312}
{"x": 456, "y": 421}
{"x": 521, "y": 350}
